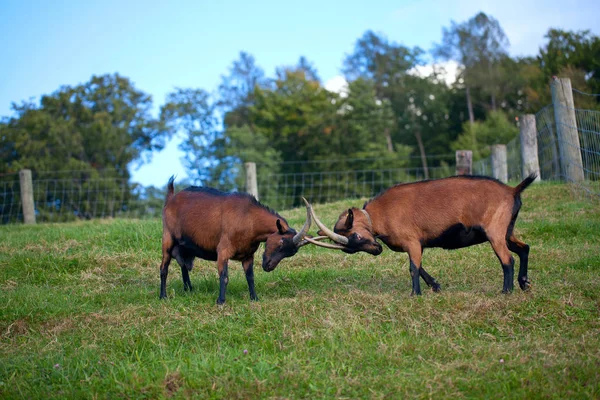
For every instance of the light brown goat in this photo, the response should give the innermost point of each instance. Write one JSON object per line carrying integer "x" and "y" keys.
{"x": 450, "y": 213}
{"x": 217, "y": 226}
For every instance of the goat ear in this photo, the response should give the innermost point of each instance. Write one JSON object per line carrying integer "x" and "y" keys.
{"x": 349, "y": 219}
{"x": 279, "y": 227}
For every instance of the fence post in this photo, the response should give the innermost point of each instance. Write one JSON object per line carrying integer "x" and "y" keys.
{"x": 464, "y": 162}
{"x": 529, "y": 146}
{"x": 251, "y": 185}
{"x": 566, "y": 126}
{"x": 499, "y": 166}
{"x": 27, "y": 196}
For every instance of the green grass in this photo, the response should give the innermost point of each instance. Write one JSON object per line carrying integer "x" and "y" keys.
{"x": 80, "y": 317}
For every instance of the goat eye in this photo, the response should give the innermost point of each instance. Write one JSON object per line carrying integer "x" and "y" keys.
{"x": 358, "y": 237}
{"x": 281, "y": 242}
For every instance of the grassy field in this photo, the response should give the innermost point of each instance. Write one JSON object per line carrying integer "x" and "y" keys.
{"x": 80, "y": 317}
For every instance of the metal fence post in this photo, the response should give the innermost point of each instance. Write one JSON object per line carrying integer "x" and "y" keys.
{"x": 566, "y": 125}
{"x": 27, "y": 196}
{"x": 251, "y": 184}
{"x": 529, "y": 146}
{"x": 464, "y": 162}
{"x": 499, "y": 166}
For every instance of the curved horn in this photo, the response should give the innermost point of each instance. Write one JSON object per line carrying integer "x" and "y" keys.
{"x": 304, "y": 241}
{"x": 300, "y": 235}
{"x": 332, "y": 235}
{"x": 326, "y": 245}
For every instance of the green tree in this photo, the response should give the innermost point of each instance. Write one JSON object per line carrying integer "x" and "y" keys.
{"x": 479, "y": 45}
{"x": 77, "y": 135}
{"x": 236, "y": 91}
{"x": 478, "y": 137}
{"x": 191, "y": 113}
{"x": 297, "y": 116}
{"x": 419, "y": 104}
{"x": 103, "y": 124}
{"x": 365, "y": 120}
{"x": 574, "y": 55}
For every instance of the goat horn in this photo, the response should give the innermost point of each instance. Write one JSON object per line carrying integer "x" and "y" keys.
{"x": 326, "y": 245}
{"x": 300, "y": 235}
{"x": 332, "y": 235}
{"x": 304, "y": 241}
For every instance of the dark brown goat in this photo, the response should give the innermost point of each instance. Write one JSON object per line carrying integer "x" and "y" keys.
{"x": 450, "y": 213}
{"x": 217, "y": 226}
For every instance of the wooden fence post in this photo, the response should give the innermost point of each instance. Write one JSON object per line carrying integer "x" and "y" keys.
{"x": 529, "y": 146}
{"x": 26, "y": 184}
{"x": 251, "y": 184}
{"x": 464, "y": 162}
{"x": 499, "y": 166}
{"x": 566, "y": 126}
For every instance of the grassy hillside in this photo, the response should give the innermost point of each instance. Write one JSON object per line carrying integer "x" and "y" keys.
{"x": 80, "y": 317}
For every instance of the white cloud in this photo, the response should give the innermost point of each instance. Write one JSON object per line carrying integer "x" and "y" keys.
{"x": 446, "y": 70}
{"x": 337, "y": 84}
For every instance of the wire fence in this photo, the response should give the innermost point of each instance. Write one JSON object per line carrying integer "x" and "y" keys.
{"x": 71, "y": 195}
{"x": 59, "y": 198}
{"x": 284, "y": 190}
{"x": 588, "y": 124}
{"x": 585, "y": 146}
{"x": 547, "y": 141}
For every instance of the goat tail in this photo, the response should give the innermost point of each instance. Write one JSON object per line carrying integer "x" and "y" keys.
{"x": 526, "y": 182}
{"x": 170, "y": 189}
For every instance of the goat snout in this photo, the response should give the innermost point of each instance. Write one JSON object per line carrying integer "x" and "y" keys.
{"x": 374, "y": 248}
{"x": 268, "y": 265}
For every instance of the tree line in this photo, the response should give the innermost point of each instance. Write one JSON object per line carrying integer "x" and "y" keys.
{"x": 387, "y": 112}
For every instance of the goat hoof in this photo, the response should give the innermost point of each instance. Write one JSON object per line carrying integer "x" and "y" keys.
{"x": 255, "y": 298}
{"x": 220, "y": 302}
{"x": 436, "y": 288}
{"x": 525, "y": 285}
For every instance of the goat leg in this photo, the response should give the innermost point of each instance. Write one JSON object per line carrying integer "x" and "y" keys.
{"x": 429, "y": 280}
{"x": 223, "y": 280}
{"x": 249, "y": 270}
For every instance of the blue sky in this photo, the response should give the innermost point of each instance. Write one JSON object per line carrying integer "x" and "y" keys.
{"x": 160, "y": 45}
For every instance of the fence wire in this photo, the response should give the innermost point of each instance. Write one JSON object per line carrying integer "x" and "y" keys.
{"x": 332, "y": 180}
{"x": 72, "y": 195}
{"x": 547, "y": 144}
{"x": 285, "y": 190}
{"x": 554, "y": 166}
{"x": 588, "y": 126}
{"x": 60, "y": 199}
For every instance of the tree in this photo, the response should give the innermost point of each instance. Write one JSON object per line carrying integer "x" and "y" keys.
{"x": 236, "y": 91}
{"x": 297, "y": 116}
{"x": 307, "y": 68}
{"x": 245, "y": 145}
{"x": 424, "y": 121}
{"x": 479, "y": 45}
{"x": 478, "y": 137}
{"x": 102, "y": 124}
{"x": 574, "y": 55}
{"x": 417, "y": 103}
{"x": 78, "y": 134}
{"x": 191, "y": 112}
{"x": 386, "y": 63}
{"x": 366, "y": 120}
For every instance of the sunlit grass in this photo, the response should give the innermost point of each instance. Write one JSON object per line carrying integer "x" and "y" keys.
{"x": 80, "y": 317}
